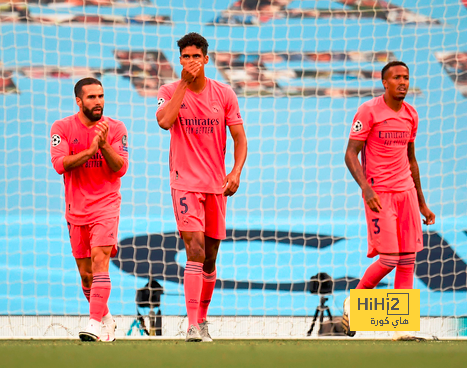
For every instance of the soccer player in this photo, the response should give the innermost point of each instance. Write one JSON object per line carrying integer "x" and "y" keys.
{"x": 197, "y": 110}
{"x": 91, "y": 153}
{"x": 384, "y": 131}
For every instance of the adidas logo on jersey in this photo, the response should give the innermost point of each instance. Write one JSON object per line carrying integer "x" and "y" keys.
{"x": 183, "y": 106}
{"x": 75, "y": 141}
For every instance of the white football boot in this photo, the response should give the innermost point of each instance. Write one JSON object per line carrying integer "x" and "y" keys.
{"x": 92, "y": 331}
{"x": 108, "y": 331}
{"x": 204, "y": 332}
{"x": 346, "y": 318}
{"x": 192, "y": 335}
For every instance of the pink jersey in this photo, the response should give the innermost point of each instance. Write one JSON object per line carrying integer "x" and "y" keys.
{"x": 92, "y": 191}
{"x": 198, "y": 136}
{"x": 386, "y": 134}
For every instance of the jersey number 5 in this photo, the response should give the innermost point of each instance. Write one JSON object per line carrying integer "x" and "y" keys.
{"x": 183, "y": 204}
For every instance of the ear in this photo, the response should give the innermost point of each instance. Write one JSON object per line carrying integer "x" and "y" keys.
{"x": 385, "y": 84}
{"x": 206, "y": 59}
{"x": 79, "y": 102}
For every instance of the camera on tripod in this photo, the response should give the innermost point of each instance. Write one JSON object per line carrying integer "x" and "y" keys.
{"x": 149, "y": 296}
{"x": 322, "y": 283}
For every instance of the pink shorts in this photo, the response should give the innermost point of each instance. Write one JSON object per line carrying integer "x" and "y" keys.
{"x": 397, "y": 228}
{"x": 203, "y": 212}
{"x": 98, "y": 234}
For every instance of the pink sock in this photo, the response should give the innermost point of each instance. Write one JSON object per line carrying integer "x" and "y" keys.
{"x": 209, "y": 282}
{"x": 375, "y": 273}
{"x": 100, "y": 291}
{"x": 193, "y": 284}
{"x": 87, "y": 294}
{"x": 404, "y": 272}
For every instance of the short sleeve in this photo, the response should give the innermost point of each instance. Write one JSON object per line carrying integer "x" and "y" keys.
{"x": 59, "y": 147}
{"x": 163, "y": 96}
{"x": 362, "y": 124}
{"x": 414, "y": 127}
{"x": 232, "y": 110}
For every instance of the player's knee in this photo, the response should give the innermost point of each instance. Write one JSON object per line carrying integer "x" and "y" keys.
{"x": 196, "y": 254}
{"x": 194, "y": 249}
{"x": 210, "y": 262}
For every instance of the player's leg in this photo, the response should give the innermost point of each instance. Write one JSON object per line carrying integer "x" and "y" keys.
{"x": 209, "y": 276}
{"x": 85, "y": 272}
{"x": 405, "y": 271}
{"x": 103, "y": 242}
{"x": 209, "y": 283}
{"x": 215, "y": 209}
{"x": 382, "y": 240}
{"x": 376, "y": 272}
{"x": 104, "y": 236}
{"x": 190, "y": 217}
{"x": 81, "y": 249}
{"x": 193, "y": 280}
{"x": 410, "y": 242}
{"x": 411, "y": 238}
{"x": 80, "y": 245}
{"x": 373, "y": 275}
{"x": 109, "y": 325}
{"x": 100, "y": 292}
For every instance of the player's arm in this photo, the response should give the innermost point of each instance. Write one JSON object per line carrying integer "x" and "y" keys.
{"x": 167, "y": 115}
{"x": 353, "y": 164}
{"x": 232, "y": 180}
{"x": 115, "y": 161}
{"x": 424, "y": 210}
{"x": 71, "y": 162}
{"x": 60, "y": 151}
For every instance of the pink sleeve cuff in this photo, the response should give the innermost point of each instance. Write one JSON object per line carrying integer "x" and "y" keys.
{"x": 58, "y": 165}
{"x": 123, "y": 169}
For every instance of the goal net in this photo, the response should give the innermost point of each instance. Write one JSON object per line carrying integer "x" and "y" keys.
{"x": 300, "y": 70}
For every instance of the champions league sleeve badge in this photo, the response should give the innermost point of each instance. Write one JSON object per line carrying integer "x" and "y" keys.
{"x": 357, "y": 126}
{"x": 56, "y": 140}
{"x": 160, "y": 102}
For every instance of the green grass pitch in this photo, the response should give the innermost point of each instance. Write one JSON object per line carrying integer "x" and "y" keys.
{"x": 232, "y": 353}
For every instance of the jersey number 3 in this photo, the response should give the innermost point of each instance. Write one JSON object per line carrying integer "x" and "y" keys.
{"x": 377, "y": 228}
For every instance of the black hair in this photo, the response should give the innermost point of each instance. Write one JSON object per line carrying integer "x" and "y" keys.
{"x": 193, "y": 39}
{"x": 390, "y": 65}
{"x": 85, "y": 82}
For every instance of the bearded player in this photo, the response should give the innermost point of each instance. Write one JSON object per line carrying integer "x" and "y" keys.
{"x": 91, "y": 153}
{"x": 197, "y": 110}
{"x": 384, "y": 131}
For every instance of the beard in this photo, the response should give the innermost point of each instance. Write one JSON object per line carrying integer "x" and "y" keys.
{"x": 91, "y": 115}
{"x": 400, "y": 98}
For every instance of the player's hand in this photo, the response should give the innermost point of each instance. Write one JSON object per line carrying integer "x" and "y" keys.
{"x": 231, "y": 183}
{"x": 94, "y": 147}
{"x": 372, "y": 199}
{"x": 190, "y": 71}
{"x": 102, "y": 130}
{"x": 429, "y": 216}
